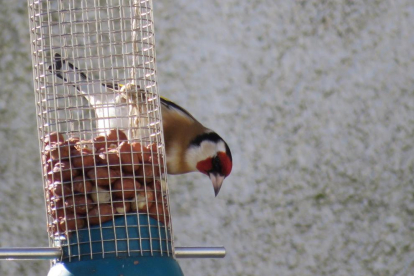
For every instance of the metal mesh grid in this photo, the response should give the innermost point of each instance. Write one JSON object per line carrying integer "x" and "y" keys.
{"x": 100, "y": 128}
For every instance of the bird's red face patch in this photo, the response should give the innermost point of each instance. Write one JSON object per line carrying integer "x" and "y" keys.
{"x": 220, "y": 164}
{"x": 205, "y": 166}
{"x": 226, "y": 163}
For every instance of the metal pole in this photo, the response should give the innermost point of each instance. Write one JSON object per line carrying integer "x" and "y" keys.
{"x": 30, "y": 253}
{"x": 200, "y": 252}
{"x": 46, "y": 253}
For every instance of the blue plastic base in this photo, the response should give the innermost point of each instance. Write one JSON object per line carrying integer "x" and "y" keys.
{"x": 130, "y": 237}
{"x": 128, "y": 246}
{"x": 140, "y": 266}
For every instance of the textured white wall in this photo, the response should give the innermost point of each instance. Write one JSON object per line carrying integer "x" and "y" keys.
{"x": 316, "y": 100}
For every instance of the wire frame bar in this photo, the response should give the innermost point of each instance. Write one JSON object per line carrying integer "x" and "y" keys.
{"x": 100, "y": 128}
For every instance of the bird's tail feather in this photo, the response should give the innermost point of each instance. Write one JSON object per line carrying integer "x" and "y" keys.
{"x": 100, "y": 96}
{"x": 93, "y": 90}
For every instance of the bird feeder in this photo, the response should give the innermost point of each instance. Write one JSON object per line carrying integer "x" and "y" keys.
{"x": 101, "y": 141}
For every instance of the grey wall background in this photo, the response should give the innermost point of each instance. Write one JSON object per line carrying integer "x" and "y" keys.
{"x": 316, "y": 100}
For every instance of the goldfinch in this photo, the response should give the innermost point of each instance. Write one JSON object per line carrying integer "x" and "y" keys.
{"x": 189, "y": 146}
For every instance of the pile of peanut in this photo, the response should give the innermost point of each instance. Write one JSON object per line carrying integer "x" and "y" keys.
{"x": 90, "y": 182}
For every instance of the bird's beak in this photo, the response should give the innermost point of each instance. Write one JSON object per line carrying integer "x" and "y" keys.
{"x": 217, "y": 180}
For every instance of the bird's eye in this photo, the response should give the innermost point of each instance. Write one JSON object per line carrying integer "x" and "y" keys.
{"x": 216, "y": 164}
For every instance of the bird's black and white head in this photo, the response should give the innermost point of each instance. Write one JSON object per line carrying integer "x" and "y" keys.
{"x": 210, "y": 155}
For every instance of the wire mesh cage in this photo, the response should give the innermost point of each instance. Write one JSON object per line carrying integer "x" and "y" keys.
{"x": 100, "y": 128}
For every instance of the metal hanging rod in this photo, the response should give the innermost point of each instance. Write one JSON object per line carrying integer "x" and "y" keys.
{"x": 46, "y": 253}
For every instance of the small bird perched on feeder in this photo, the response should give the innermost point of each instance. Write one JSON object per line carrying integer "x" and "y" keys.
{"x": 190, "y": 147}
